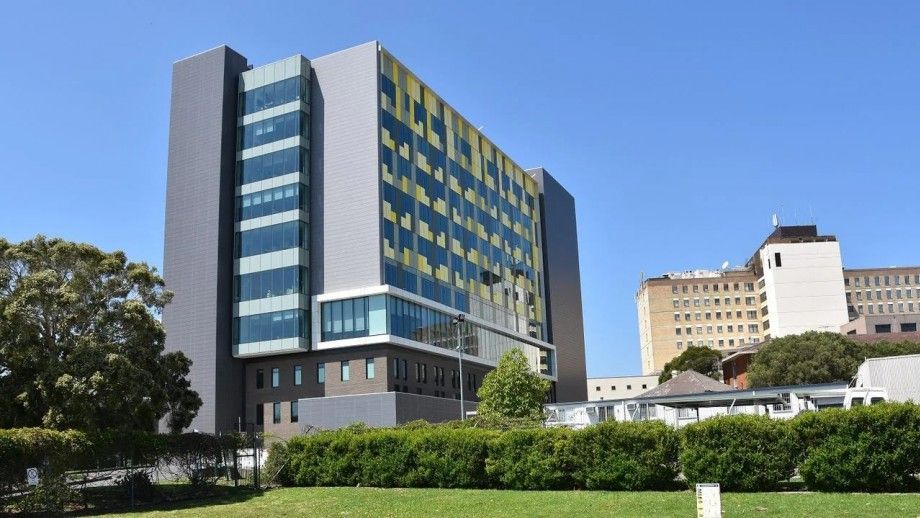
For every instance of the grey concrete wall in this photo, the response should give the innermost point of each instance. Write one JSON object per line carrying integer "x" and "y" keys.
{"x": 562, "y": 284}
{"x": 377, "y": 410}
{"x": 345, "y": 180}
{"x": 198, "y": 248}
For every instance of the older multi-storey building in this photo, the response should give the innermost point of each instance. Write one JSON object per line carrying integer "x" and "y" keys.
{"x": 882, "y": 291}
{"x": 703, "y": 308}
{"x": 327, "y": 219}
{"x": 794, "y": 282}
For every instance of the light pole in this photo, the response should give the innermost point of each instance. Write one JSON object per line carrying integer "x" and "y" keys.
{"x": 457, "y": 322}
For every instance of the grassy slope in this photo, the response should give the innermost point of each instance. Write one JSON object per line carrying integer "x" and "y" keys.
{"x": 445, "y": 502}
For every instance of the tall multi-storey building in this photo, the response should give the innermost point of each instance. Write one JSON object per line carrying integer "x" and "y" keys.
{"x": 793, "y": 283}
{"x": 327, "y": 219}
{"x": 888, "y": 291}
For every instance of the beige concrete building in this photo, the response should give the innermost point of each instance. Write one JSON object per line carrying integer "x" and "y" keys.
{"x": 883, "y": 291}
{"x": 620, "y": 387}
{"x": 791, "y": 284}
{"x": 703, "y": 308}
{"x": 794, "y": 282}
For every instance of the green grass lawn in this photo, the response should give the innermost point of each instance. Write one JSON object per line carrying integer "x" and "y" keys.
{"x": 344, "y": 501}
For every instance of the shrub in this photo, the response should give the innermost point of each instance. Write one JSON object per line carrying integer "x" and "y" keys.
{"x": 136, "y": 484}
{"x": 51, "y": 451}
{"x": 447, "y": 457}
{"x": 278, "y": 465}
{"x": 323, "y": 459}
{"x": 382, "y": 457}
{"x": 741, "y": 452}
{"x": 532, "y": 459}
{"x": 874, "y": 448}
{"x": 626, "y": 456}
{"x": 50, "y": 497}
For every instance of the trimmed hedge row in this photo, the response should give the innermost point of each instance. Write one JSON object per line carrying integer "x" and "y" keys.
{"x": 620, "y": 456}
{"x": 55, "y": 452}
{"x": 874, "y": 448}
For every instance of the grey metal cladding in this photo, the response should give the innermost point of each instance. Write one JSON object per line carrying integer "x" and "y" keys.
{"x": 345, "y": 180}
{"x": 198, "y": 248}
{"x": 563, "y": 286}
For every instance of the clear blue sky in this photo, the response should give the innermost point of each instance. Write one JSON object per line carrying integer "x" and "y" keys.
{"x": 678, "y": 126}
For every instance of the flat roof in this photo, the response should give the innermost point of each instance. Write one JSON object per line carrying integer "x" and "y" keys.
{"x": 764, "y": 395}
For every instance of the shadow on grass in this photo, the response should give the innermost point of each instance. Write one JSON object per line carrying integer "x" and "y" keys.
{"x": 166, "y": 498}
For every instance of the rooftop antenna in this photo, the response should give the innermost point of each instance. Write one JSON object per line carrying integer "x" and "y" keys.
{"x": 811, "y": 214}
{"x": 775, "y": 220}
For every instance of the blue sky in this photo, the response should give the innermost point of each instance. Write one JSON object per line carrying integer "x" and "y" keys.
{"x": 679, "y": 127}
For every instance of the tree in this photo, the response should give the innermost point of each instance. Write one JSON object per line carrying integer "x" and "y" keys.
{"x": 812, "y": 357}
{"x": 512, "y": 390}
{"x": 80, "y": 342}
{"x": 815, "y": 357}
{"x": 700, "y": 359}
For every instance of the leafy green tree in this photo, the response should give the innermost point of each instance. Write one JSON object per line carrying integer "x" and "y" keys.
{"x": 815, "y": 357}
{"x": 704, "y": 360}
{"x": 812, "y": 357}
{"x": 81, "y": 345}
{"x": 512, "y": 390}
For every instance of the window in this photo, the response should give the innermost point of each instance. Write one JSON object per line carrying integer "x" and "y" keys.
{"x": 680, "y": 345}
{"x": 262, "y": 240}
{"x": 272, "y": 201}
{"x": 785, "y": 403}
{"x": 346, "y": 371}
{"x": 777, "y": 259}
{"x": 321, "y": 373}
{"x": 276, "y": 377}
{"x": 298, "y": 379}
{"x": 628, "y": 387}
{"x": 597, "y": 389}
{"x": 613, "y": 387}
{"x": 369, "y": 368}
{"x": 643, "y": 385}
{"x": 270, "y": 165}
{"x": 404, "y": 369}
{"x": 909, "y": 327}
{"x": 274, "y": 94}
{"x": 273, "y": 129}
{"x": 882, "y": 328}
{"x": 276, "y": 412}
{"x": 260, "y": 414}
{"x": 260, "y": 378}
{"x": 270, "y": 283}
{"x": 270, "y": 326}
{"x": 295, "y": 414}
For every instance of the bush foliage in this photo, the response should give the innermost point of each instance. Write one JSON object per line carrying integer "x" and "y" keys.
{"x": 874, "y": 448}
{"x": 741, "y": 452}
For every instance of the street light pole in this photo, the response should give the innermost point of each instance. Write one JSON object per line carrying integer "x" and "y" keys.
{"x": 458, "y": 322}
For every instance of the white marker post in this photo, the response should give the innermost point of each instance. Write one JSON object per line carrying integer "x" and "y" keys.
{"x": 32, "y": 476}
{"x": 708, "y": 501}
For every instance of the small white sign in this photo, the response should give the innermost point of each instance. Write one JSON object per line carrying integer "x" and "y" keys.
{"x": 708, "y": 501}
{"x": 32, "y": 476}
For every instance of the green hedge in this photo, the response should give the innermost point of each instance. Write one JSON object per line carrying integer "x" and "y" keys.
{"x": 55, "y": 451}
{"x": 740, "y": 452}
{"x": 874, "y": 448}
{"x": 626, "y": 456}
{"x": 629, "y": 456}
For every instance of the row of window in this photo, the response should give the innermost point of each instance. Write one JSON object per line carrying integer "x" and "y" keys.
{"x": 748, "y": 301}
{"x": 751, "y": 328}
{"x": 699, "y": 315}
{"x": 401, "y": 371}
{"x": 297, "y": 375}
{"x": 905, "y": 327}
{"x": 889, "y": 294}
{"x": 597, "y": 388}
{"x": 721, "y": 342}
{"x": 262, "y": 240}
{"x": 270, "y": 165}
{"x": 292, "y": 323}
{"x": 276, "y": 413}
{"x": 748, "y": 286}
{"x": 272, "y": 201}
{"x": 274, "y": 94}
{"x": 271, "y": 283}
{"x": 382, "y": 314}
{"x": 880, "y": 278}
{"x": 273, "y": 129}
{"x": 871, "y": 309}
